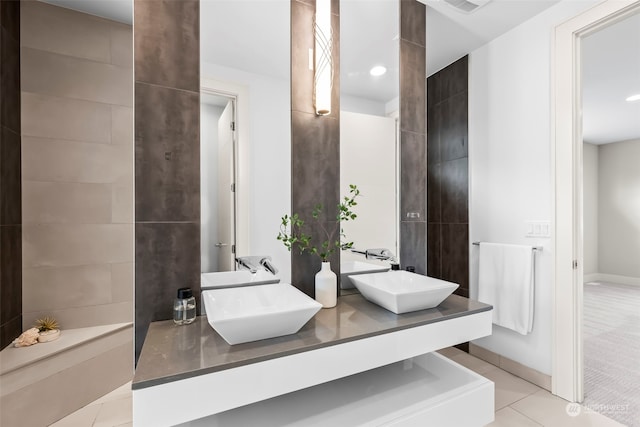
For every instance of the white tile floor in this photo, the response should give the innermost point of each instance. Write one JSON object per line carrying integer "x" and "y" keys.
{"x": 518, "y": 403}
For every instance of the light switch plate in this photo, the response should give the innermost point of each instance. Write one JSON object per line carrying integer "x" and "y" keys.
{"x": 537, "y": 229}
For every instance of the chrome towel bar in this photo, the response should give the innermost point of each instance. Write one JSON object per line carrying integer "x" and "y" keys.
{"x": 535, "y": 248}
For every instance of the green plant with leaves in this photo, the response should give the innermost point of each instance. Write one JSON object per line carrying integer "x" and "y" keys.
{"x": 46, "y": 324}
{"x": 292, "y": 228}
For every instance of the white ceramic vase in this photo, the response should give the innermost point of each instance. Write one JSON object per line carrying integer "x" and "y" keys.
{"x": 326, "y": 286}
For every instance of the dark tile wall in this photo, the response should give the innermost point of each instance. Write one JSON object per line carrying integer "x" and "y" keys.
{"x": 315, "y": 141}
{"x": 167, "y": 156}
{"x": 10, "y": 175}
{"x": 448, "y": 175}
{"x": 413, "y": 157}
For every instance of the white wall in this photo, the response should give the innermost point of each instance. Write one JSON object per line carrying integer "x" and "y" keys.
{"x": 509, "y": 162}
{"x": 264, "y": 173}
{"x": 367, "y": 159}
{"x": 619, "y": 209}
{"x": 209, "y": 116}
{"x": 590, "y": 203}
{"x": 356, "y": 104}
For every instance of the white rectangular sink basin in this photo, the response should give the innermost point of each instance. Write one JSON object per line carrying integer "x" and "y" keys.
{"x": 230, "y": 279}
{"x": 357, "y": 267}
{"x": 402, "y": 291}
{"x": 244, "y": 314}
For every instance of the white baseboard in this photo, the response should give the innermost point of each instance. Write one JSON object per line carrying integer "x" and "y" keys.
{"x": 511, "y": 366}
{"x": 612, "y": 278}
{"x": 592, "y": 277}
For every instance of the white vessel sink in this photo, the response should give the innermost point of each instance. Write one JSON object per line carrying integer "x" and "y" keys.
{"x": 357, "y": 267}
{"x": 229, "y": 279}
{"x": 244, "y": 314}
{"x": 402, "y": 291}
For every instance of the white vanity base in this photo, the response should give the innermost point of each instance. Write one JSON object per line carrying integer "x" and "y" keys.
{"x": 428, "y": 390}
{"x": 188, "y": 399}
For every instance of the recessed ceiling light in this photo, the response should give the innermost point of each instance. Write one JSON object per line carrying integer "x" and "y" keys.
{"x": 632, "y": 98}
{"x": 378, "y": 70}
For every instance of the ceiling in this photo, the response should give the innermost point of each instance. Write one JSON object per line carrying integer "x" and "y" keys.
{"x": 116, "y": 10}
{"x": 610, "y": 74}
{"x": 366, "y": 41}
{"x": 451, "y": 34}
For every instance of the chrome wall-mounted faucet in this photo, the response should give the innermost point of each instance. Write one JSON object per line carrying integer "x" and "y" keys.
{"x": 255, "y": 263}
{"x": 379, "y": 253}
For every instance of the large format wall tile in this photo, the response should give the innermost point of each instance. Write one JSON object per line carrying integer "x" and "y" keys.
{"x": 85, "y": 316}
{"x": 62, "y": 118}
{"x": 10, "y": 82}
{"x": 167, "y": 154}
{"x": 122, "y": 45}
{"x": 10, "y": 204}
{"x": 315, "y": 143}
{"x": 455, "y": 256}
{"x": 413, "y": 155}
{"x": 455, "y": 79}
{"x": 413, "y": 248}
{"x": 315, "y": 163}
{"x": 122, "y": 125}
{"x": 167, "y": 43}
{"x": 448, "y": 175}
{"x": 434, "y": 198}
{"x": 11, "y": 273}
{"x": 434, "y": 118}
{"x": 434, "y": 250}
{"x": 455, "y": 191}
{"x": 454, "y": 127}
{"x": 122, "y": 279}
{"x": 74, "y": 161}
{"x": 412, "y": 176}
{"x": 10, "y": 330}
{"x": 59, "y": 245}
{"x": 65, "y": 31}
{"x": 167, "y": 157}
{"x": 10, "y": 21}
{"x": 412, "y": 87}
{"x": 413, "y": 19}
{"x": 67, "y": 287}
{"x": 77, "y": 122}
{"x": 122, "y": 201}
{"x": 10, "y": 171}
{"x": 166, "y": 259}
{"x": 65, "y": 76}
{"x": 66, "y": 202}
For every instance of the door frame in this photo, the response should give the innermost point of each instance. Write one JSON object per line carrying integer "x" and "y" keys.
{"x": 566, "y": 151}
{"x": 242, "y": 171}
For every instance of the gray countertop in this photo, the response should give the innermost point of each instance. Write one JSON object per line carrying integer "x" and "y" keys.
{"x": 172, "y": 352}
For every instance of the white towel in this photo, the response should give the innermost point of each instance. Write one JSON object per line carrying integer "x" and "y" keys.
{"x": 506, "y": 281}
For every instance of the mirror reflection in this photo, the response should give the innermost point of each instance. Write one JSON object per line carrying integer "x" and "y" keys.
{"x": 369, "y": 90}
{"x": 245, "y": 66}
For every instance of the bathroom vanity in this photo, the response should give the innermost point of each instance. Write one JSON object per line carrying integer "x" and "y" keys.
{"x": 353, "y": 365}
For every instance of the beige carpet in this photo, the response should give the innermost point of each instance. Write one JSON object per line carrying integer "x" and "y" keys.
{"x": 612, "y": 351}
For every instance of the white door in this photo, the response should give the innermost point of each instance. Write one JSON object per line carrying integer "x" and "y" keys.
{"x": 226, "y": 194}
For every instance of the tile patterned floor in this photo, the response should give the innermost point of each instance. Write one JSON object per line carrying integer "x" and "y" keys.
{"x": 518, "y": 403}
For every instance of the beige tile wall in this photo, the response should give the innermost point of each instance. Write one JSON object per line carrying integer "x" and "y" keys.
{"x": 77, "y": 124}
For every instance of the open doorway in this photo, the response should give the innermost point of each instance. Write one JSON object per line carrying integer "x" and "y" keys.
{"x": 610, "y": 71}
{"x": 569, "y": 259}
{"x": 217, "y": 181}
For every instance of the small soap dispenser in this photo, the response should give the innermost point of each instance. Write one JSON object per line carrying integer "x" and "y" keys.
{"x": 184, "y": 307}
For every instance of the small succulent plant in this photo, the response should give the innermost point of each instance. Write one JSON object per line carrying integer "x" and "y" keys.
{"x": 47, "y": 324}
